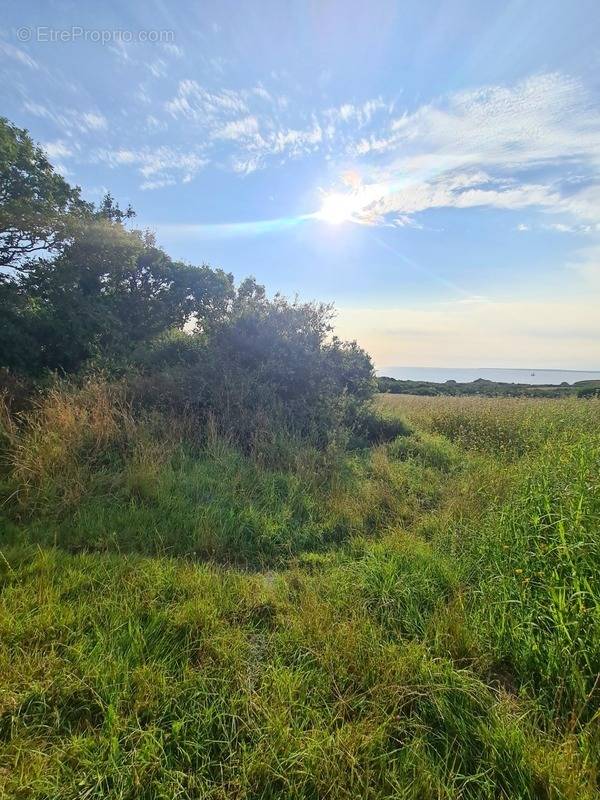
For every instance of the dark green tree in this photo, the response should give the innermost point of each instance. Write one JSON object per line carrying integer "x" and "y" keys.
{"x": 38, "y": 208}
{"x": 76, "y": 283}
{"x": 108, "y": 291}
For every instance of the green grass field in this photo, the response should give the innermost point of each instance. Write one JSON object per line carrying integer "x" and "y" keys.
{"x": 418, "y": 619}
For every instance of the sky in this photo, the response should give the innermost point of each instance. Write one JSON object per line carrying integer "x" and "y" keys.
{"x": 432, "y": 168}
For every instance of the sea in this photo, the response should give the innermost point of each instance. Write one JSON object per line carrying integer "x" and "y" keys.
{"x": 463, "y": 375}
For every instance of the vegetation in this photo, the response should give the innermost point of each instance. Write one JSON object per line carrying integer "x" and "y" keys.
{"x": 228, "y": 571}
{"x": 485, "y": 388}
{"x": 413, "y": 619}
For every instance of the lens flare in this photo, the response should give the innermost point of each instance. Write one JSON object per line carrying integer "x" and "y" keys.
{"x": 337, "y": 208}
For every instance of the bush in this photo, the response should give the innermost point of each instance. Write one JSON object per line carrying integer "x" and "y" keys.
{"x": 376, "y": 427}
{"x": 270, "y": 366}
{"x": 86, "y": 471}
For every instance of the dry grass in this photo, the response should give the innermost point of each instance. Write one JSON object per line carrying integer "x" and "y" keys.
{"x": 505, "y": 427}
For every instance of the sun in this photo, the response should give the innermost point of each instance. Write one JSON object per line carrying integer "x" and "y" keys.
{"x": 337, "y": 208}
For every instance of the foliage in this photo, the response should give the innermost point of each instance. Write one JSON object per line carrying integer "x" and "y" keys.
{"x": 484, "y": 388}
{"x": 39, "y": 211}
{"x": 270, "y": 364}
{"x": 109, "y": 298}
{"x": 108, "y": 291}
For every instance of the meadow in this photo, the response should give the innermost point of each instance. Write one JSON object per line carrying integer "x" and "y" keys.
{"x": 418, "y": 618}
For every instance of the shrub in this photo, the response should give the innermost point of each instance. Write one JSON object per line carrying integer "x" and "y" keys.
{"x": 429, "y": 449}
{"x": 271, "y": 365}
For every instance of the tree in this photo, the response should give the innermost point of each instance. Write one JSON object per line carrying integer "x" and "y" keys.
{"x": 85, "y": 289}
{"x": 77, "y": 283}
{"x": 38, "y": 208}
{"x": 110, "y": 209}
{"x": 108, "y": 291}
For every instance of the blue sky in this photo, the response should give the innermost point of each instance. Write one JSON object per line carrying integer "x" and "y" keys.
{"x": 433, "y": 168}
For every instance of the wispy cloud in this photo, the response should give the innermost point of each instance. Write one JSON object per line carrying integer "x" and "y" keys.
{"x": 194, "y": 102}
{"x": 360, "y": 115}
{"x": 58, "y": 149}
{"x": 244, "y": 128}
{"x": 68, "y": 120}
{"x": 157, "y": 184}
{"x": 475, "y": 149}
{"x": 468, "y": 149}
{"x": 158, "y": 68}
{"x": 15, "y": 53}
{"x": 93, "y": 121}
{"x": 250, "y": 120}
{"x": 173, "y": 49}
{"x": 159, "y": 166}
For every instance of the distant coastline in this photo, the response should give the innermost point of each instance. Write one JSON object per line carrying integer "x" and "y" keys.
{"x": 538, "y": 377}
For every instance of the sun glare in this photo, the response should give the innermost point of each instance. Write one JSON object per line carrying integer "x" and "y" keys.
{"x": 337, "y": 208}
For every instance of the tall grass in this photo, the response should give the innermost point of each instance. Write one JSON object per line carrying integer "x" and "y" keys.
{"x": 149, "y": 678}
{"x": 503, "y": 427}
{"x": 420, "y": 620}
{"x": 536, "y": 570}
{"x": 87, "y": 473}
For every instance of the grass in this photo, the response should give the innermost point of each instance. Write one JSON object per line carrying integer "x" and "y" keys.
{"x": 419, "y": 619}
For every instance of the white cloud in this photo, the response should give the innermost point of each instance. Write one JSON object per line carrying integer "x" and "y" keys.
{"x": 159, "y": 166}
{"x": 92, "y": 121}
{"x": 68, "y": 120}
{"x": 197, "y": 103}
{"x": 173, "y": 49}
{"x": 245, "y": 166}
{"x": 454, "y": 190}
{"x": 404, "y": 221}
{"x": 10, "y": 51}
{"x": 544, "y": 117}
{"x": 455, "y": 152}
{"x": 261, "y": 92}
{"x": 265, "y": 125}
{"x": 584, "y": 204}
{"x": 158, "y": 68}
{"x": 158, "y": 184}
{"x": 361, "y": 114}
{"x": 143, "y": 95}
{"x": 57, "y": 149}
{"x": 123, "y": 51}
{"x": 458, "y": 151}
{"x": 295, "y": 141}
{"x": 238, "y": 129}
{"x": 155, "y": 123}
